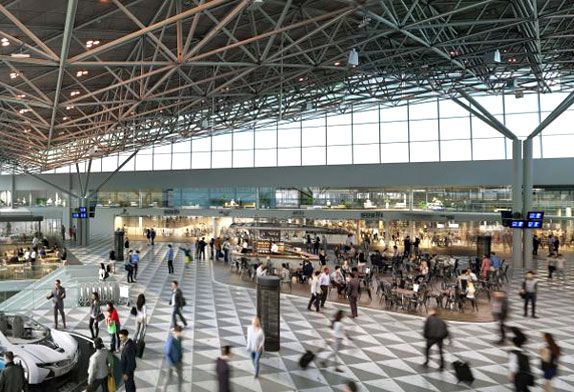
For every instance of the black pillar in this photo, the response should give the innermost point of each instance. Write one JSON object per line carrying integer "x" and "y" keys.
{"x": 119, "y": 244}
{"x": 483, "y": 245}
{"x": 268, "y": 310}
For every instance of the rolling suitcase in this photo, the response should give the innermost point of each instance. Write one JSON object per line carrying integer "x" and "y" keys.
{"x": 306, "y": 359}
{"x": 462, "y": 372}
{"x": 140, "y": 348}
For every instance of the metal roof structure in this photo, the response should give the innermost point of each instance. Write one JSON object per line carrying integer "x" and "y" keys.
{"x": 86, "y": 78}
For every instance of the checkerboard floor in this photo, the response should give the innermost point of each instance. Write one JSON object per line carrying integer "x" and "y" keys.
{"x": 385, "y": 355}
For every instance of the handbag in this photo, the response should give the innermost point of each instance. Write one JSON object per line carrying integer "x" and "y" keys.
{"x": 522, "y": 294}
{"x": 111, "y": 384}
{"x": 100, "y": 317}
{"x": 134, "y": 311}
{"x": 112, "y": 328}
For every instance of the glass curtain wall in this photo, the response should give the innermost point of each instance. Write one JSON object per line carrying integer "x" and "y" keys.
{"x": 430, "y": 131}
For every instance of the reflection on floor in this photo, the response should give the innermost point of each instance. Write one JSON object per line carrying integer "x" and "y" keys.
{"x": 385, "y": 355}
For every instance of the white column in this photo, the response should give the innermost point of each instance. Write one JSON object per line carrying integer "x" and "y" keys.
{"x": 517, "y": 259}
{"x": 527, "y": 200}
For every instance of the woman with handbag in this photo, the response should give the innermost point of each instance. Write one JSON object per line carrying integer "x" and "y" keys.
{"x": 549, "y": 356}
{"x": 96, "y": 315}
{"x": 141, "y": 316}
{"x": 113, "y": 323}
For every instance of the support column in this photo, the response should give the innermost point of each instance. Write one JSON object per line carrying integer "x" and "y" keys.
{"x": 527, "y": 186}
{"x": 12, "y": 190}
{"x": 84, "y": 225}
{"x": 517, "y": 259}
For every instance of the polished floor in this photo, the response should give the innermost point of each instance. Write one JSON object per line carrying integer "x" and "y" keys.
{"x": 385, "y": 354}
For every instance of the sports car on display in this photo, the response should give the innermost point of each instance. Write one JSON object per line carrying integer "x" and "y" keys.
{"x": 44, "y": 353}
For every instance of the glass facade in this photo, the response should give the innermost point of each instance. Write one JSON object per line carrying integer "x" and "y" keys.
{"x": 435, "y": 130}
{"x": 559, "y": 202}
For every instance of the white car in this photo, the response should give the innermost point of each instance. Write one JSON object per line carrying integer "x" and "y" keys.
{"x": 44, "y": 353}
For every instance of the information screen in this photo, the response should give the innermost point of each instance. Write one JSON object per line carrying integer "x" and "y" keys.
{"x": 534, "y": 224}
{"x": 535, "y": 215}
{"x": 518, "y": 224}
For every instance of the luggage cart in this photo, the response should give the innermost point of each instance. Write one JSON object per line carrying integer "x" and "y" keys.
{"x": 124, "y": 297}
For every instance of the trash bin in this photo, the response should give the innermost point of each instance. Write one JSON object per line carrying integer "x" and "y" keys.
{"x": 268, "y": 289}
{"x": 483, "y": 243}
{"x": 119, "y": 244}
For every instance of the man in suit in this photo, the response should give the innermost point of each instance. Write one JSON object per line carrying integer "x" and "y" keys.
{"x": 12, "y": 378}
{"x": 435, "y": 331}
{"x": 128, "y": 360}
{"x": 223, "y": 370}
{"x": 176, "y": 302}
{"x": 57, "y": 296}
{"x": 353, "y": 292}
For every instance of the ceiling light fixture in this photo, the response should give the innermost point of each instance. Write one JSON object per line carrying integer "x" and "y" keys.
{"x": 91, "y": 43}
{"x": 4, "y": 42}
{"x": 14, "y": 75}
{"x": 353, "y": 58}
{"x": 65, "y": 118}
{"x": 337, "y": 63}
{"x": 22, "y": 111}
{"x": 497, "y": 57}
{"x": 81, "y": 73}
{"x": 20, "y": 96}
{"x": 74, "y": 93}
{"x": 20, "y": 55}
{"x": 70, "y": 107}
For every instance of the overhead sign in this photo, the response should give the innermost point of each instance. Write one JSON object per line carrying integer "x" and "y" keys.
{"x": 518, "y": 224}
{"x": 534, "y": 224}
{"x": 536, "y": 215}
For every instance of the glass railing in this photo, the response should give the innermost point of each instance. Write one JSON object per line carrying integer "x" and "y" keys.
{"x": 27, "y": 272}
{"x": 34, "y": 296}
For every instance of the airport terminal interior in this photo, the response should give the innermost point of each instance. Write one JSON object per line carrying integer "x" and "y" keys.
{"x": 286, "y": 195}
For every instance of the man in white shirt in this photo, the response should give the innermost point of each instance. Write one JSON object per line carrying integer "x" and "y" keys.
{"x": 261, "y": 270}
{"x": 315, "y": 292}
{"x": 324, "y": 283}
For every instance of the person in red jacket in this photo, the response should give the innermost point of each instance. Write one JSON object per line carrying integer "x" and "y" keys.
{"x": 113, "y": 319}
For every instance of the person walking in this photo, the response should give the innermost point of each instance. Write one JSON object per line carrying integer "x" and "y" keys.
{"x": 324, "y": 283}
{"x": 169, "y": 259}
{"x": 528, "y": 292}
{"x": 549, "y": 356}
{"x": 315, "y": 292}
{"x": 223, "y": 370}
{"x": 128, "y": 360}
{"x": 103, "y": 273}
{"x": 12, "y": 378}
{"x": 126, "y": 245}
{"x": 255, "y": 343}
{"x": 57, "y": 296}
{"x": 353, "y": 292}
{"x": 174, "y": 356}
{"x": 351, "y": 386}
{"x": 129, "y": 267}
{"x": 519, "y": 366}
{"x": 338, "y": 335}
{"x": 134, "y": 261}
{"x": 500, "y": 312}
{"x": 63, "y": 232}
{"x": 98, "y": 367}
{"x": 435, "y": 331}
{"x": 152, "y": 235}
{"x": 113, "y": 324}
{"x": 177, "y": 302}
{"x": 141, "y": 318}
{"x": 201, "y": 244}
{"x": 95, "y": 315}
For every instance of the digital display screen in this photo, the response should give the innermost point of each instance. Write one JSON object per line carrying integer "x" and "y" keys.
{"x": 83, "y": 209}
{"x": 518, "y": 224}
{"x": 535, "y": 215}
{"x": 83, "y": 215}
{"x": 75, "y": 215}
{"x": 534, "y": 224}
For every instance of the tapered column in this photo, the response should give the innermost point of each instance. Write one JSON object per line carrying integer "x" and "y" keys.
{"x": 527, "y": 200}
{"x": 517, "y": 254}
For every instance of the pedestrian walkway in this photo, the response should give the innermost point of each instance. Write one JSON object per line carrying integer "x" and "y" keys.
{"x": 386, "y": 354}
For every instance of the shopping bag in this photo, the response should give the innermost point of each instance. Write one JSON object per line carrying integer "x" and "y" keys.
{"x": 111, "y": 384}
